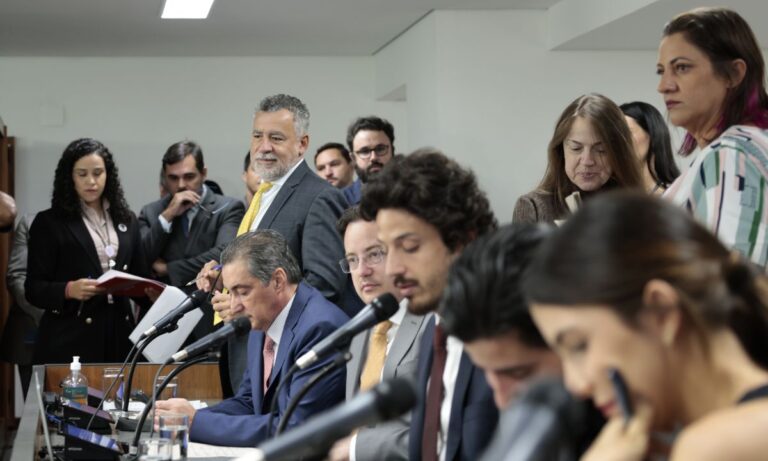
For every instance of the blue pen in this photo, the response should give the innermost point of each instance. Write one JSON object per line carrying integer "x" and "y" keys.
{"x": 622, "y": 393}
{"x": 217, "y": 267}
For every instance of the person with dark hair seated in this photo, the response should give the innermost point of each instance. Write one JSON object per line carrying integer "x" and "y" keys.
{"x": 632, "y": 285}
{"x": 483, "y": 306}
{"x": 427, "y": 209}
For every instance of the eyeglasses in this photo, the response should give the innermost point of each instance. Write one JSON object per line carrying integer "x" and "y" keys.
{"x": 380, "y": 150}
{"x": 372, "y": 258}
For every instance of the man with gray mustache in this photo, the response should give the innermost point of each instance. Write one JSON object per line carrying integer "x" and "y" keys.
{"x": 294, "y": 201}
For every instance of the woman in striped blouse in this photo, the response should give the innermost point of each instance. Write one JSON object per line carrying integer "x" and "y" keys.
{"x": 712, "y": 78}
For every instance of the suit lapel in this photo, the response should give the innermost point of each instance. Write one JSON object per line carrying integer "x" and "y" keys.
{"x": 286, "y": 340}
{"x": 257, "y": 373}
{"x": 282, "y": 196}
{"x": 201, "y": 219}
{"x": 457, "y": 406}
{"x": 124, "y": 249}
{"x": 83, "y": 237}
{"x": 358, "y": 348}
{"x": 402, "y": 343}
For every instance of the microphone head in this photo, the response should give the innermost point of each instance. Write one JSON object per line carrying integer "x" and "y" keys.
{"x": 241, "y": 325}
{"x": 384, "y": 306}
{"x": 394, "y": 397}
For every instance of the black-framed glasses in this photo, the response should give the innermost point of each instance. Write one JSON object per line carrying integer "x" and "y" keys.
{"x": 371, "y": 258}
{"x": 380, "y": 150}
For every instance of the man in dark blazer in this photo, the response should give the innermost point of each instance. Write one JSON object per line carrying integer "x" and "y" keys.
{"x": 288, "y": 317}
{"x": 298, "y": 204}
{"x": 427, "y": 209}
{"x": 187, "y": 228}
{"x": 399, "y": 337}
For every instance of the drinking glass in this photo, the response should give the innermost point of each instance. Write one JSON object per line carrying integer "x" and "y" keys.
{"x": 175, "y": 428}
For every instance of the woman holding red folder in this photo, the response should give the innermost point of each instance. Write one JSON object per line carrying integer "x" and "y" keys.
{"x": 88, "y": 230}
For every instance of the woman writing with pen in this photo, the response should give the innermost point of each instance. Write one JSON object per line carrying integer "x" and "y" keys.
{"x": 87, "y": 231}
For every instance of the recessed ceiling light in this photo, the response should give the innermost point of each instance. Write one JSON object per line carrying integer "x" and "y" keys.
{"x": 186, "y": 9}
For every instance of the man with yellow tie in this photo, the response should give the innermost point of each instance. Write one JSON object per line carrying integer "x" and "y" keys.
{"x": 387, "y": 350}
{"x": 294, "y": 201}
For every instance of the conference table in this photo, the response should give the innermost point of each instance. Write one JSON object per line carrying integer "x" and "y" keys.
{"x": 198, "y": 382}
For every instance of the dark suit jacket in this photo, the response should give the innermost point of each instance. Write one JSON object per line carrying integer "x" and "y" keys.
{"x": 242, "y": 420}
{"x": 305, "y": 212}
{"x": 18, "y": 340}
{"x": 209, "y": 233}
{"x": 388, "y": 440}
{"x": 473, "y": 413}
{"x": 61, "y": 250}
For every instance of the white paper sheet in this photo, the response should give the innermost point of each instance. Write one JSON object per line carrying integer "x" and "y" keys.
{"x": 168, "y": 344}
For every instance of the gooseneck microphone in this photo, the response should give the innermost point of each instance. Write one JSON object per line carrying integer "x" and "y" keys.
{"x": 237, "y": 327}
{"x": 169, "y": 320}
{"x": 542, "y": 424}
{"x": 385, "y": 401}
{"x": 380, "y": 309}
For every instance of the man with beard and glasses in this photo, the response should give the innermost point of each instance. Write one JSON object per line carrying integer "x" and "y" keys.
{"x": 190, "y": 225}
{"x": 372, "y": 142}
{"x": 294, "y": 201}
{"x": 427, "y": 209}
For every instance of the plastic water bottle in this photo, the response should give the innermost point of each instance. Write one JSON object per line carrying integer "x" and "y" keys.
{"x": 75, "y": 384}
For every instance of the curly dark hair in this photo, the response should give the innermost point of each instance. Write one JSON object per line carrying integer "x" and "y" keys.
{"x": 435, "y": 188}
{"x": 65, "y": 200}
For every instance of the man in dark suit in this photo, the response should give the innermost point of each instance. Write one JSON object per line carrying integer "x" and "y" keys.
{"x": 298, "y": 204}
{"x": 287, "y": 317}
{"x": 372, "y": 143}
{"x": 427, "y": 209}
{"x": 389, "y": 349}
{"x": 187, "y": 228}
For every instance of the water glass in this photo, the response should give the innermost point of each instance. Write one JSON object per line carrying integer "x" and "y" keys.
{"x": 108, "y": 377}
{"x": 175, "y": 428}
{"x": 155, "y": 450}
{"x": 170, "y": 390}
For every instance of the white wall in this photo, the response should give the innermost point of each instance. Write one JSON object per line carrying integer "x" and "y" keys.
{"x": 497, "y": 91}
{"x": 139, "y": 106}
{"x": 481, "y": 85}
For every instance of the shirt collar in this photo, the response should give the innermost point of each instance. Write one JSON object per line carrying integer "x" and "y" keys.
{"x": 275, "y": 331}
{"x": 397, "y": 317}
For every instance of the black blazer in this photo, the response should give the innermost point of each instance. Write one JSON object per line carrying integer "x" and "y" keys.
{"x": 61, "y": 250}
{"x": 473, "y": 413}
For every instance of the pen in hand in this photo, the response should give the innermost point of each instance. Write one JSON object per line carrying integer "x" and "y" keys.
{"x": 193, "y": 281}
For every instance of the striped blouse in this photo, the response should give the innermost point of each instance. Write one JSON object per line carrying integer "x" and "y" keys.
{"x": 725, "y": 189}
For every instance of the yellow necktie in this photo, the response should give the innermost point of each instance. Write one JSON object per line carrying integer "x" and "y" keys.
{"x": 377, "y": 352}
{"x": 245, "y": 224}
{"x": 253, "y": 208}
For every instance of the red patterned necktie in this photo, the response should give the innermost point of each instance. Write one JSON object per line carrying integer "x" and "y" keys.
{"x": 435, "y": 393}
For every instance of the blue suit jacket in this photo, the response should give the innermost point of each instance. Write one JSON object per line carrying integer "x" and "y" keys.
{"x": 354, "y": 192}
{"x": 473, "y": 412}
{"x": 242, "y": 420}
